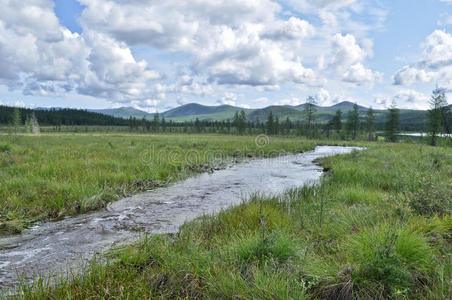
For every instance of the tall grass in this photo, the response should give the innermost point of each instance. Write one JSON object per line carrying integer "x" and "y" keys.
{"x": 371, "y": 243}
{"x": 50, "y": 176}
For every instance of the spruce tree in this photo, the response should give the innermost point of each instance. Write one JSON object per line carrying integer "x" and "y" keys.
{"x": 156, "y": 123}
{"x": 392, "y": 124}
{"x": 309, "y": 111}
{"x": 270, "y": 124}
{"x": 16, "y": 119}
{"x": 337, "y": 123}
{"x": 352, "y": 123}
{"x": 370, "y": 124}
{"x": 435, "y": 114}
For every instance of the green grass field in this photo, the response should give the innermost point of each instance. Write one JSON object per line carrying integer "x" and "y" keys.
{"x": 53, "y": 175}
{"x": 378, "y": 226}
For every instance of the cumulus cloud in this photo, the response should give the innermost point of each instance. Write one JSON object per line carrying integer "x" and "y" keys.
{"x": 359, "y": 75}
{"x": 411, "y": 98}
{"x": 323, "y": 97}
{"x": 347, "y": 58}
{"x": 228, "y": 99}
{"x": 312, "y": 6}
{"x": 294, "y": 101}
{"x": 224, "y": 45}
{"x": 40, "y": 57}
{"x": 383, "y": 101}
{"x": 410, "y": 75}
{"x": 261, "y": 100}
{"x": 242, "y": 47}
{"x": 172, "y": 24}
{"x": 436, "y": 63}
{"x": 438, "y": 49}
{"x": 292, "y": 29}
{"x": 346, "y": 51}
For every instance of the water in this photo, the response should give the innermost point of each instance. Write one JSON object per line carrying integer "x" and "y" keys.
{"x": 423, "y": 134}
{"x": 51, "y": 247}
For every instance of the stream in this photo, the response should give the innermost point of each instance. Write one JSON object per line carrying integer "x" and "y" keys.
{"x": 49, "y": 248}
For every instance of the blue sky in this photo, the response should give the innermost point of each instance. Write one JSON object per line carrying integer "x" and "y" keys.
{"x": 251, "y": 53}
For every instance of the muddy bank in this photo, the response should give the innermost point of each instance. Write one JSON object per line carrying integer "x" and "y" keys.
{"x": 51, "y": 247}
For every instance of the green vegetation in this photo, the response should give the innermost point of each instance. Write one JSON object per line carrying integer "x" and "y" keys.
{"x": 50, "y": 176}
{"x": 217, "y": 116}
{"x": 392, "y": 124}
{"x": 378, "y": 226}
{"x": 438, "y": 115}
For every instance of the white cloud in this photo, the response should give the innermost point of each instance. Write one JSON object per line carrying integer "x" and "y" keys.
{"x": 40, "y": 57}
{"x": 359, "y": 75}
{"x": 323, "y": 97}
{"x": 411, "y": 98}
{"x": 292, "y": 29}
{"x": 436, "y": 63}
{"x": 409, "y": 75}
{"x": 172, "y": 24}
{"x": 383, "y": 101}
{"x": 294, "y": 101}
{"x": 438, "y": 49}
{"x": 222, "y": 45}
{"x": 347, "y": 58}
{"x": 328, "y": 5}
{"x": 346, "y": 52}
{"x": 261, "y": 100}
{"x": 228, "y": 99}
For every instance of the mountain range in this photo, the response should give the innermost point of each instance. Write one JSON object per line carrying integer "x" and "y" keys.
{"x": 409, "y": 119}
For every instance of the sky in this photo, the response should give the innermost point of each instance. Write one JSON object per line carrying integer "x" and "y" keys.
{"x": 155, "y": 55}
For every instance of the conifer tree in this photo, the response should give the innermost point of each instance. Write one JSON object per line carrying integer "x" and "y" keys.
{"x": 352, "y": 125}
{"x": 370, "y": 124}
{"x": 392, "y": 123}
{"x": 435, "y": 114}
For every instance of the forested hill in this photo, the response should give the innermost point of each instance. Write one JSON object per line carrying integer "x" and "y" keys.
{"x": 56, "y": 117}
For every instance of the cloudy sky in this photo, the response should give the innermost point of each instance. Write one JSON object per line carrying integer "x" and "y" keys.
{"x": 155, "y": 54}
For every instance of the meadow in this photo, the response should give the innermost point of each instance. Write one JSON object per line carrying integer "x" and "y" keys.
{"x": 378, "y": 226}
{"x": 50, "y": 176}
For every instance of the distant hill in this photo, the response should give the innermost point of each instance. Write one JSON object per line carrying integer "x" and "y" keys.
{"x": 346, "y": 105}
{"x": 409, "y": 119}
{"x": 123, "y": 112}
{"x": 192, "y": 111}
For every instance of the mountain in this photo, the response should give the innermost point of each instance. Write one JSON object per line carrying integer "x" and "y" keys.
{"x": 123, "y": 112}
{"x": 346, "y": 105}
{"x": 192, "y": 111}
{"x": 409, "y": 119}
{"x": 282, "y": 112}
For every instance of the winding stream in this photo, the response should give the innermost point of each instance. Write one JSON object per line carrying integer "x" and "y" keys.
{"x": 52, "y": 246}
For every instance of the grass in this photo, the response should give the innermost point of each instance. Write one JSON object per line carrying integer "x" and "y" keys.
{"x": 366, "y": 232}
{"x": 53, "y": 175}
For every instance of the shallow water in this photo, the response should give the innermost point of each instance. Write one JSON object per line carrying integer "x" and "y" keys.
{"x": 50, "y": 247}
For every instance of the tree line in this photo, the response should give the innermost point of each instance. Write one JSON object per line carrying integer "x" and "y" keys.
{"x": 352, "y": 126}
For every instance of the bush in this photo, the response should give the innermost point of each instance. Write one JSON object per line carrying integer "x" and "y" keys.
{"x": 276, "y": 246}
{"x": 431, "y": 200}
{"x": 391, "y": 262}
{"x": 5, "y": 147}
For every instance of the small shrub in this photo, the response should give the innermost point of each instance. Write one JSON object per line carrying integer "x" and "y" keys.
{"x": 255, "y": 249}
{"x": 5, "y": 148}
{"x": 391, "y": 263}
{"x": 430, "y": 201}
